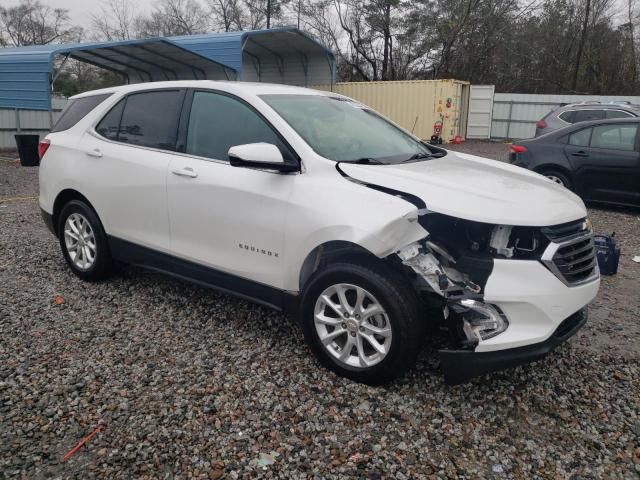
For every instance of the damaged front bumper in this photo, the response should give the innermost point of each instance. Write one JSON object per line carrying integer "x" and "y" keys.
{"x": 517, "y": 313}
{"x": 461, "y": 365}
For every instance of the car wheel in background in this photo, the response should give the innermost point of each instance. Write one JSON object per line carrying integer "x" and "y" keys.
{"x": 83, "y": 241}
{"x": 362, "y": 322}
{"x": 557, "y": 177}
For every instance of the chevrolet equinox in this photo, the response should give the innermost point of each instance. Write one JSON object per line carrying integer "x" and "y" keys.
{"x": 313, "y": 204}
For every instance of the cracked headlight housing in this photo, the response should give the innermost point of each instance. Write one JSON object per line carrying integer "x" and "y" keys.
{"x": 482, "y": 321}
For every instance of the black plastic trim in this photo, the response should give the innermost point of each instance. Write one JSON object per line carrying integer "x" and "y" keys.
{"x": 48, "y": 220}
{"x": 459, "y": 366}
{"x": 128, "y": 252}
{"x": 413, "y": 199}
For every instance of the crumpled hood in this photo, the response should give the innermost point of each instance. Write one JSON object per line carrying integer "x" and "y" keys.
{"x": 478, "y": 189}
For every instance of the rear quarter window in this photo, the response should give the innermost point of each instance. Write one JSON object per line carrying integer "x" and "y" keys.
{"x": 567, "y": 116}
{"x": 76, "y": 110}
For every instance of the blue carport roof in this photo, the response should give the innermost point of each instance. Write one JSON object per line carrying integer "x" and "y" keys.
{"x": 26, "y": 72}
{"x": 227, "y": 47}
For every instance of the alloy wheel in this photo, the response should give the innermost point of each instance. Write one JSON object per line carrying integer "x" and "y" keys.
{"x": 352, "y": 325}
{"x": 80, "y": 241}
{"x": 555, "y": 179}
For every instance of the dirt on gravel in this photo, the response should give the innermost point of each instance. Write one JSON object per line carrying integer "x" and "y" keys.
{"x": 189, "y": 383}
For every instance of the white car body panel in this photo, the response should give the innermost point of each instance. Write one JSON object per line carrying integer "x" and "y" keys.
{"x": 225, "y": 216}
{"x": 481, "y": 190}
{"x": 535, "y": 301}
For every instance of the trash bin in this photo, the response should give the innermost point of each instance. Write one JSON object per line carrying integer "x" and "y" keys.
{"x": 28, "y": 149}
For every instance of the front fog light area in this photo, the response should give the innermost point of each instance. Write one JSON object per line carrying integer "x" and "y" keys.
{"x": 480, "y": 321}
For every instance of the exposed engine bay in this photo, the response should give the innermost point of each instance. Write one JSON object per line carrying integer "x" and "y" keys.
{"x": 454, "y": 263}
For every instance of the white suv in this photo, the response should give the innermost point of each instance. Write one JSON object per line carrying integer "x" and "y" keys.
{"x": 313, "y": 204}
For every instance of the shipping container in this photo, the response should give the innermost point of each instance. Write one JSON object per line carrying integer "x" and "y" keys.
{"x": 421, "y": 106}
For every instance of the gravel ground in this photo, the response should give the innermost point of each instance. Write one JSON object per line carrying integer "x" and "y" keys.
{"x": 189, "y": 383}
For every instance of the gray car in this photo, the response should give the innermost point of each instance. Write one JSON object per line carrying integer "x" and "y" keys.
{"x": 598, "y": 160}
{"x": 585, "y": 112}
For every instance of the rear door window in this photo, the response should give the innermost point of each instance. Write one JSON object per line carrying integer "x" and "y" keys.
{"x": 587, "y": 115}
{"x": 618, "y": 114}
{"x": 150, "y": 119}
{"x": 614, "y": 137}
{"x": 76, "y": 110}
{"x": 580, "y": 138}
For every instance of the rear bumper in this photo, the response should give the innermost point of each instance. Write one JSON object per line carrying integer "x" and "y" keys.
{"x": 48, "y": 220}
{"x": 461, "y": 365}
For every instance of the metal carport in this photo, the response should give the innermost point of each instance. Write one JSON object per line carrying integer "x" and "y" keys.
{"x": 285, "y": 55}
{"x": 279, "y": 55}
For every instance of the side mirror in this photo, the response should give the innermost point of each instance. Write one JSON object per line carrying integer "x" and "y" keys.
{"x": 259, "y": 155}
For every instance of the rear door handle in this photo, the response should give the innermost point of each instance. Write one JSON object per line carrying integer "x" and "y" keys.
{"x": 580, "y": 154}
{"x": 94, "y": 153}
{"x": 185, "y": 172}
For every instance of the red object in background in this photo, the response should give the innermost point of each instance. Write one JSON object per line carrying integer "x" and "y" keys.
{"x": 43, "y": 146}
{"x": 518, "y": 148}
{"x": 541, "y": 124}
{"x": 82, "y": 442}
{"x": 457, "y": 139}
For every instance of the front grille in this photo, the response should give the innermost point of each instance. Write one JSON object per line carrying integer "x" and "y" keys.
{"x": 571, "y": 255}
{"x": 565, "y": 231}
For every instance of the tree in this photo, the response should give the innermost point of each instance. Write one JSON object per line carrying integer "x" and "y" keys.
{"x": 32, "y": 23}
{"x": 116, "y": 21}
{"x": 174, "y": 17}
{"x": 226, "y": 14}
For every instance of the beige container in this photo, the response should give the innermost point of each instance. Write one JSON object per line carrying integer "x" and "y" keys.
{"x": 415, "y": 105}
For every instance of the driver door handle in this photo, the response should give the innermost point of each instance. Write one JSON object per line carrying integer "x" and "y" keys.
{"x": 185, "y": 172}
{"x": 580, "y": 154}
{"x": 94, "y": 152}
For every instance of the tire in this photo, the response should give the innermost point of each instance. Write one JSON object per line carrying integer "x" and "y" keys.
{"x": 401, "y": 316}
{"x": 94, "y": 247}
{"x": 558, "y": 177}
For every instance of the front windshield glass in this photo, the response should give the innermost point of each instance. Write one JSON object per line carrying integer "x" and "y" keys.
{"x": 346, "y": 131}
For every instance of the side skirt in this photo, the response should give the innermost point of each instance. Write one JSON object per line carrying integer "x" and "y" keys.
{"x": 128, "y": 252}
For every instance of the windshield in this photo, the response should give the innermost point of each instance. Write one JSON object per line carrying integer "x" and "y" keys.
{"x": 346, "y": 131}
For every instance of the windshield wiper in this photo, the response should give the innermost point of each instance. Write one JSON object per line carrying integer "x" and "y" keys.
{"x": 421, "y": 155}
{"x": 365, "y": 161}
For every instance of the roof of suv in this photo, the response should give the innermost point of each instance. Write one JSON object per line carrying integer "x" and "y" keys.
{"x": 601, "y": 106}
{"x": 244, "y": 87}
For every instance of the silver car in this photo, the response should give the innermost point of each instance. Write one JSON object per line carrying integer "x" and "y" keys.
{"x": 584, "y": 112}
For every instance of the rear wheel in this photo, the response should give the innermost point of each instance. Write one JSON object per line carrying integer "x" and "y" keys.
{"x": 83, "y": 241}
{"x": 362, "y": 322}
{"x": 557, "y": 177}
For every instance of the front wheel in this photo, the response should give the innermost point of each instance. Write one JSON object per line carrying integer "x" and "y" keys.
{"x": 362, "y": 322}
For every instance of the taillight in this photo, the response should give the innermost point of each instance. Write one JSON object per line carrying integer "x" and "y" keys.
{"x": 43, "y": 146}
{"x": 541, "y": 124}
{"x": 518, "y": 148}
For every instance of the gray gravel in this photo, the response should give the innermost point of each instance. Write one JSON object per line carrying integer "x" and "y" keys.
{"x": 189, "y": 383}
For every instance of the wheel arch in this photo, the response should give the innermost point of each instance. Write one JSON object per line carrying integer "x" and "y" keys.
{"x": 331, "y": 252}
{"x": 64, "y": 197}
{"x": 553, "y": 167}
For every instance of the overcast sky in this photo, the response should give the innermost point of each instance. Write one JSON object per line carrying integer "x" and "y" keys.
{"x": 80, "y": 10}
